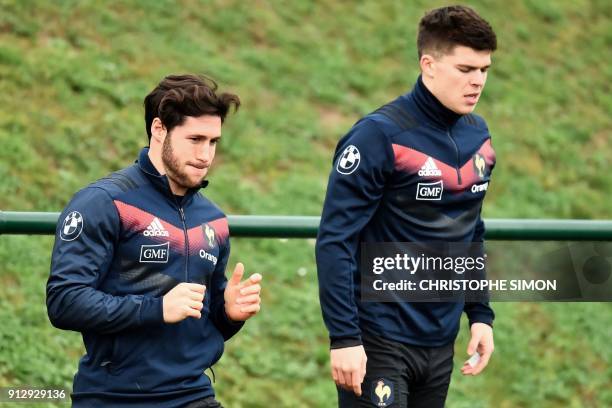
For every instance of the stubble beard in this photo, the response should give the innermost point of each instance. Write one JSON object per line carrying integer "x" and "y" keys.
{"x": 173, "y": 166}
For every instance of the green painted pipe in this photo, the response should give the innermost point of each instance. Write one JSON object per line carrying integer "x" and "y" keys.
{"x": 275, "y": 226}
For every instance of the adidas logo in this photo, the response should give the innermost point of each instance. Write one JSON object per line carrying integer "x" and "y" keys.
{"x": 155, "y": 229}
{"x": 429, "y": 168}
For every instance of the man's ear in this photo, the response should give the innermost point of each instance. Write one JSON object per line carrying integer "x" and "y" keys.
{"x": 158, "y": 130}
{"x": 427, "y": 63}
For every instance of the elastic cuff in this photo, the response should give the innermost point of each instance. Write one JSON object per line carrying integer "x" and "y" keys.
{"x": 481, "y": 318}
{"x": 230, "y": 322}
{"x": 151, "y": 310}
{"x": 225, "y": 325}
{"x": 343, "y": 342}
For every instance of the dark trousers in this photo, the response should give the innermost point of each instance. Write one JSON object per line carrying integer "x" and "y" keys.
{"x": 92, "y": 402}
{"x": 403, "y": 376}
{"x": 208, "y": 402}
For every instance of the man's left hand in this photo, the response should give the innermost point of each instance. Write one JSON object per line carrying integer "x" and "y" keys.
{"x": 481, "y": 342}
{"x": 242, "y": 299}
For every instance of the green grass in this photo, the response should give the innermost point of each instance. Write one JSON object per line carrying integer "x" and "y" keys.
{"x": 73, "y": 76}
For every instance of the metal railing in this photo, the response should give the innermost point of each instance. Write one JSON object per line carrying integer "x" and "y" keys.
{"x": 275, "y": 226}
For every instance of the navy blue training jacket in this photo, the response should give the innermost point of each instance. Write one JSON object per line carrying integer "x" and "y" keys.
{"x": 375, "y": 194}
{"x": 121, "y": 244}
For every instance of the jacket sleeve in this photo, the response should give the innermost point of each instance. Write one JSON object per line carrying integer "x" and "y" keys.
{"x": 362, "y": 163}
{"x": 87, "y": 232}
{"x": 479, "y": 312}
{"x": 222, "y": 322}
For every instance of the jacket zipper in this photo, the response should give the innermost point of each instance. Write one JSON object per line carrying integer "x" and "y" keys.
{"x": 457, "y": 152}
{"x": 186, "y": 244}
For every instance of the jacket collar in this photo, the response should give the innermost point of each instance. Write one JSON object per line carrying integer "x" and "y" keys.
{"x": 431, "y": 107}
{"x": 160, "y": 181}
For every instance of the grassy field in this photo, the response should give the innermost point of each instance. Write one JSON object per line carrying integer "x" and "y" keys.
{"x": 72, "y": 78}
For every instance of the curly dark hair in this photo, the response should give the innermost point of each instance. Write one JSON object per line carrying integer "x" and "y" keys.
{"x": 440, "y": 30}
{"x": 178, "y": 96}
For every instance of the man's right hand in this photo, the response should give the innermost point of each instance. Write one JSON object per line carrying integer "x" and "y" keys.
{"x": 183, "y": 301}
{"x": 348, "y": 366}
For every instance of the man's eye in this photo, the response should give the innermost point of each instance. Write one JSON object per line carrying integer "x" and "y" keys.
{"x": 214, "y": 141}
{"x": 464, "y": 70}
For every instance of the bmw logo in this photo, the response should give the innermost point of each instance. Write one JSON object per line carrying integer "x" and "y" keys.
{"x": 72, "y": 227}
{"x": 349, "y": 160}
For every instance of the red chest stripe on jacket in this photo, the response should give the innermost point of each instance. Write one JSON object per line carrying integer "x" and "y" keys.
{"x": 410, "y": 161}
{"x": 221, "y": 229}
{"x": 468, "y": 172}
{"x": 198, "y": 239}
{"x": 136, "y": 220}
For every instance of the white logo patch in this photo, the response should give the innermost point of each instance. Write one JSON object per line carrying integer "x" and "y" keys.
{"x": 478, "y": 188}
{"x": 430, "y": 191}
{"x": 429, "y": 168}
{"x": 72, "y": 227}
{"x": 155, "y": 253}
{"x": 210, "y": 235}
{"x": 155, "y": 229}
{"x": 209, "y": 257}
{"x": 349, "y": 160}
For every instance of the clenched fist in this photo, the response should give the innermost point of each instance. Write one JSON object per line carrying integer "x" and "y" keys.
{"x": 183, "y": 301}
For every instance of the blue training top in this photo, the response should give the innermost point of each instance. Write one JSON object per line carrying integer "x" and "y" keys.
{"x": 121, "y": 244}
{"x": 375, "y": 194}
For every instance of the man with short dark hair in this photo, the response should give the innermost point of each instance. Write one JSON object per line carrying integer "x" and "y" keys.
{"x": 138, "y": 265}
{"x": 401, "y": 353}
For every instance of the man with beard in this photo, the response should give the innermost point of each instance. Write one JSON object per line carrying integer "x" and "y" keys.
{"x": 139, "y": 260}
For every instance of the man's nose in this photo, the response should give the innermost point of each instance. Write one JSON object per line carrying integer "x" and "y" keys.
{"x": 478, "y": 78}
{"x": 203, "y": 153}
